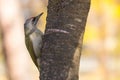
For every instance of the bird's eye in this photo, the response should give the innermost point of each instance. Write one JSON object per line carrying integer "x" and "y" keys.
{"x": 33, "y": 19}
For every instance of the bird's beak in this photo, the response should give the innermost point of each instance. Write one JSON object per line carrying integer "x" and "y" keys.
{"x": 37, "y": 18}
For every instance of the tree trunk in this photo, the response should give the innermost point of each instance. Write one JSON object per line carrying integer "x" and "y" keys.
{"x": 63, "y": 38}
{"x": 11, "y": 26}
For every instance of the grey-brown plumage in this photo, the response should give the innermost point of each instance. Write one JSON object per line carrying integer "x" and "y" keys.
{"x": 33, "y": 39}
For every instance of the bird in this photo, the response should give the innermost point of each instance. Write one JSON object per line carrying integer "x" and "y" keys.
{"x": 33, "y": 38}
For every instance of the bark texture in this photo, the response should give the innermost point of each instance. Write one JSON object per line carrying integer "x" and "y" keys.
{"x": 63, "y": 38}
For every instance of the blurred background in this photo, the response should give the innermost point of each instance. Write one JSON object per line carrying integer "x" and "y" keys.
{"x": 100, "y": 59}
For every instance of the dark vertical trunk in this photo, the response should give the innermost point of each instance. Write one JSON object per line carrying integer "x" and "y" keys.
{"x": 63, "y": 37}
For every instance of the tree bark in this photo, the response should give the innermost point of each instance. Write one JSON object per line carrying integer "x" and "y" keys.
{"x": 63, "y": 38}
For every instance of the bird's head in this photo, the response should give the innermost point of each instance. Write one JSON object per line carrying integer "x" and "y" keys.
{"x": 30, "y": 24}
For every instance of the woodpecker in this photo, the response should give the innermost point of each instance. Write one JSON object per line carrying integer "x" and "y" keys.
{"x": 33, "y": 39}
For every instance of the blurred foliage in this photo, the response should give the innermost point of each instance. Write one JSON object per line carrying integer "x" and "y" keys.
{"x": 101, "y": 47}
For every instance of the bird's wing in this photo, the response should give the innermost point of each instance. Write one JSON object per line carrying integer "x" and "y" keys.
{"x": 29, "y": 45}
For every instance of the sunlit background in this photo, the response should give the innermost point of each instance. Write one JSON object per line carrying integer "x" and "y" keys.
{"x": 100, "y": 58}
